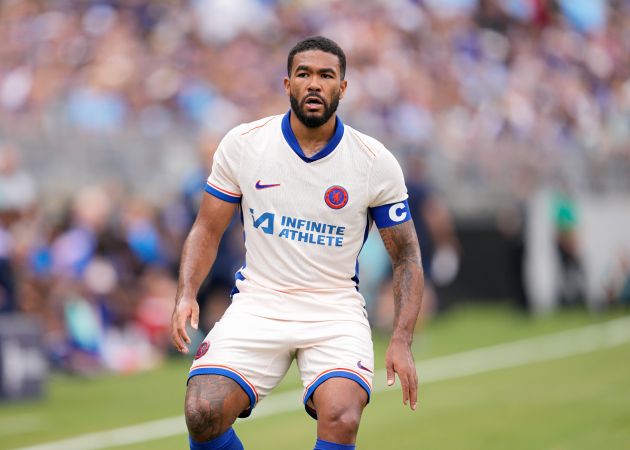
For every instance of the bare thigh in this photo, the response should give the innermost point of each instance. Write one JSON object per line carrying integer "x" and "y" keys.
{"x": 339, "y": 403}
{"x": 213, "y": 402}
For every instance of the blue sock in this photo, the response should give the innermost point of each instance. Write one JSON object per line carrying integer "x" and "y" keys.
{"x": 325, "y": 445}
{"x": 227, "y": 441}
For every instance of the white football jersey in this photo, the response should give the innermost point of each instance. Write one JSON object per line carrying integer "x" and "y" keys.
{"x": 305, "y": 219}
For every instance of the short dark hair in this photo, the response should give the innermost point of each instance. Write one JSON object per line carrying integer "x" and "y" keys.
{"x": 318, "y": 43}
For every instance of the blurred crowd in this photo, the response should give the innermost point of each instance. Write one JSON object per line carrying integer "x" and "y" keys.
{"x": 500, "y": 92}
{"x": 100, "y": 275}
{"x": 547, "y": 79}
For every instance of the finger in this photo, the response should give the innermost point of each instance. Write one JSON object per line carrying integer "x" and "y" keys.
{"x": 176, "y": 340}
{"x": 174, "y": 337}
{"x": 181, "y": 326}
{"x": 404, "y": 382}
{"x": 194, "y": 318}
{"x": 390, "y": 373}
{"x": 182, "y": 336}
{"x": 413, "y": 391}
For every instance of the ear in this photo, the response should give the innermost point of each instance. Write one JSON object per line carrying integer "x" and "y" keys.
{"x": 342, "y": 88}
{"x": 287, "y": 86}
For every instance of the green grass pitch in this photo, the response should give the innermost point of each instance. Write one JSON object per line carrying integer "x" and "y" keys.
{"x": 573, "y": 403}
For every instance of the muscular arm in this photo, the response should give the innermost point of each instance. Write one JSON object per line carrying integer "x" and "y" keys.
{"x": 198, "y": 255}
{"x": 402, "y": 245}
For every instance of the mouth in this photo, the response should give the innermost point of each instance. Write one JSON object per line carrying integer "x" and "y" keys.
{"x": 313, "y": 103}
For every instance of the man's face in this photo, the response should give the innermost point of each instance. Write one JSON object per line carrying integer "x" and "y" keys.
{"x": 315, "y": 87}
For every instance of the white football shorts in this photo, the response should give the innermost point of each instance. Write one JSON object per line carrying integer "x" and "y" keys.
{"x": 256, "y": 353}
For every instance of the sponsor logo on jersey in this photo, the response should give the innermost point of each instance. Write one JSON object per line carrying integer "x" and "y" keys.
{"x": 202, "y": 350}
{"x": 336, "y": 197}
{"x": 300, "y": 230}
{"x": 264, "y": 221}
{"x": 259, "y": 185}
{"x": 397, "y": 212}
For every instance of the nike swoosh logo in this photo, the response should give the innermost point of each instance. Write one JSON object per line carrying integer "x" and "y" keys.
{"x": 265, "y": 186}
{"x": 361, "y": 366}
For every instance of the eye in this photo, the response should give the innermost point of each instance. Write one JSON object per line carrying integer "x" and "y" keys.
{"x": 301, "y": 75}
{"x": 327, "y": 75}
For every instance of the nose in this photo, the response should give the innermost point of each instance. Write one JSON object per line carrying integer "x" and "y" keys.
{"x": 314, "y": 85}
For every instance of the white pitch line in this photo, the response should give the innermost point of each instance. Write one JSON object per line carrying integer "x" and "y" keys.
{"x": 481, "y": 360}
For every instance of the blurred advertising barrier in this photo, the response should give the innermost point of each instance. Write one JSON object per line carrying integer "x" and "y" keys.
{"x": 485, "y": 270}
{"x": 599, "y": 228}
{"x": 23, "y": 367}
{"x": 564, "y": 250}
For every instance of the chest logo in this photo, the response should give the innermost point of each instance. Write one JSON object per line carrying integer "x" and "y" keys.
{"x": 336, "y": 197}
{"x": 259, "y": 185}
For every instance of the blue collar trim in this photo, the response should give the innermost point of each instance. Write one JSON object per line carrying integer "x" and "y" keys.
{"x": 289, "y": 136}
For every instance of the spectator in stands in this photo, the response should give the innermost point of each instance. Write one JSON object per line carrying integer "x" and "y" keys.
{"x": 17, "y": 198}
{"x": 434, "y": 226}
{"x": 572, "y": 277}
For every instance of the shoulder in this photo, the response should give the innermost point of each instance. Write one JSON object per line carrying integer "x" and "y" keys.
{"x": 234, "y": 142}
{"x": 252, "y": 129}
{"x": 381, "y": 159}
{"x": 371, "y": 147}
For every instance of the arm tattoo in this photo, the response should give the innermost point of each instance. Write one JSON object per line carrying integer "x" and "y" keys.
{"x": 402, "y": 245}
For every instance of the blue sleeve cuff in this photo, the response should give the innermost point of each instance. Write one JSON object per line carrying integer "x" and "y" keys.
{"x": 392, "y": 214}
{"x": 223, "y": 195}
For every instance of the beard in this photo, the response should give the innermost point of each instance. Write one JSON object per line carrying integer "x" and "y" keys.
{"x": 313, "y": 120}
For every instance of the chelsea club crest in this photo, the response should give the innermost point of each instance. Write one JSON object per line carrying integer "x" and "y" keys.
{"x": 336, "y": 197}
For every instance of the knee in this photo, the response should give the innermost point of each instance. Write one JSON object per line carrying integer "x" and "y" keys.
{"x": 204, "y": 420}
{"x": 212, "y": 404}
{"x": 343, "y": 421}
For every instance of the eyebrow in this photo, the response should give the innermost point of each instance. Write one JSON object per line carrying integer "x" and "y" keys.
{"x": 308, "y": 68}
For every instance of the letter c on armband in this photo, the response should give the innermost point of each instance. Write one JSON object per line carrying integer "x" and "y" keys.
{"x": 394, "y": 212}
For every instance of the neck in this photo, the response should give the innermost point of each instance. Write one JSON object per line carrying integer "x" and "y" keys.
{"x": 312, "y": 140}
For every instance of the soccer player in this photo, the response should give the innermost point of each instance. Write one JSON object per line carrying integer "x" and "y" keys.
{"x": 309, "y": 188}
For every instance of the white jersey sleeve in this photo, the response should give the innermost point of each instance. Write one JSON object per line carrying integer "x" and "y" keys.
{"x": 387, "y": 192}
{"x": 223, "y": 180}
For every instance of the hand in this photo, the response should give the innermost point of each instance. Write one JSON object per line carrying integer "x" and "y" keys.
{"x": 399, "y": 359}
{"x": 185, "y": 309}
